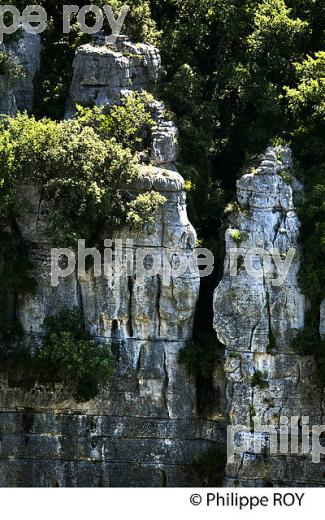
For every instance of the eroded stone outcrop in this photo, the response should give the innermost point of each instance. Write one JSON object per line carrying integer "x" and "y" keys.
{"x": 18, "y": 95}
{"x": 151, "y": 318}
{"x": 103, "y": 74}
{"x": 106, "y": 74}
{"x": 143, "y": 429}
{"x": 257, "y": 319}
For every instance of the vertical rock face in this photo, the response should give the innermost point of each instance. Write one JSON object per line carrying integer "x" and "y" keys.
{"x": 258, "y": 313}
{"x": 103, "y": 74}
{"x": 150, "y": 317}
{"x": 142, "y": 430}
{"x": 18, "y": 96}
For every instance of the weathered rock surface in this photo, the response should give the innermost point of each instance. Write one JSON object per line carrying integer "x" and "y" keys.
{"x": 79, "y": 450}
{"x": 18, "y": 96}
{"x": 103, "y": 74}
{"x": 151, "y": 317}
{"x": 143, "y": 429}
{"x": 257, "y": 319}
{"x": 106, "y": 74}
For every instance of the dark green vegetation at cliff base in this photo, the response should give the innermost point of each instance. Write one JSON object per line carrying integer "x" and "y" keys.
{"x": 69, "y": 355}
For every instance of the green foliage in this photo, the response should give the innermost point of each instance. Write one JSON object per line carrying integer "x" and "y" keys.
{"x": 70, "y": 355}
{"x": 306, "y": 108}
{"x": 287, "y": 176}
{"x": 79, "y": 173}
{"x": 312, "y": 275}
{"x": 278, "y": 141}
{"x": 143, "y": 209}
{"x": 10, "y": 68}
{"x": 234, "y": 355}
{"x": 129, "y": 123}
{"x": 80, "y": 167}
{"x": 237, "y": 236}
{"x": 228, "y": 90}
{"x": 277, "y": 36}
{"x": 139, "y": 24}
{"x": 259, "y": 381}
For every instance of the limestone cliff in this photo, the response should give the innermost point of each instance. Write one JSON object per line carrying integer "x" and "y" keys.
{"x": 102, "y": 73}
{"x": 143, "y": 429}
{"x": 257, "y": 317}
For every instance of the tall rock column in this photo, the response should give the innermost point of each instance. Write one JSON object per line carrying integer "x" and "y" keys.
{"x": 258, "y": 312}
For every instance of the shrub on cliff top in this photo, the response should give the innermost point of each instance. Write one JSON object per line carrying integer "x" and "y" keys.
{"x": 83, "y": 167}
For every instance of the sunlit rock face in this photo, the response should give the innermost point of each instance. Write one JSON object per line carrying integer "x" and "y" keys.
{"x": 103, "y": 74}
{"x": 18, "y": 95}
{"x": 151, "y": 317}
{"x": 144, "y": 428}
{"x": 257, "y": 316}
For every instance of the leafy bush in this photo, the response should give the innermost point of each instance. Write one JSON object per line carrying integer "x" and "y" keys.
{"x": 312, "y": 214}
{"x": 139, "y": 23}
{"x": 80, "y": 167}
{"x": 237, "y": 236}
{"x": 129, "y": 122}
{"x": 144, "y": 209}
{"x": 70, "y": 355}
{"x": 79, "y": 173}
{"x": 10, "y": 68}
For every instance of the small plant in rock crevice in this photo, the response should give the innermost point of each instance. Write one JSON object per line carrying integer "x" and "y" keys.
{"x": 259, "y": 381}
{"x": 237, "y": 236}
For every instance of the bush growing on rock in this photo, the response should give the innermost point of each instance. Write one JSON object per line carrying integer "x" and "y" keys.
{"x": 144, "y": 209}
{"x": 70, "y": 355}
{"x": 83, "y": 167}
{"x": 259, "y": 381}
